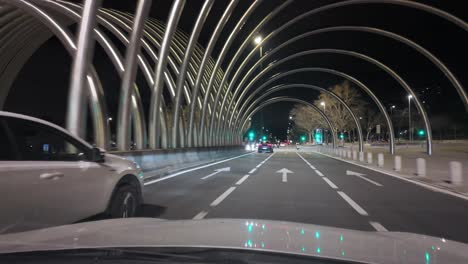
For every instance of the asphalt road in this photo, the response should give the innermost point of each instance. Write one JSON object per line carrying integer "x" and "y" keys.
{"x": 318, "y": 190}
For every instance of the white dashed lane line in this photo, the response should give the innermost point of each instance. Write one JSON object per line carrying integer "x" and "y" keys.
{"x": 353, "y": 204}
{"x": 239, "y": 182}
{"x": 200, "y": 215}
{"x": 319, "y": 173}
{"x": 378, "y": 226}
{"x": 222, "y": 196}
{"x": 252, "y": 171}
{"x": 330, "y": 183}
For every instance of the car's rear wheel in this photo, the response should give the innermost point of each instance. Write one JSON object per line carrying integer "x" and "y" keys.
{"x": 124, "y": 203}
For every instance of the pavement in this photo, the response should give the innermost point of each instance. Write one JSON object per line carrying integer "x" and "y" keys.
{"x": 306, "y": 187}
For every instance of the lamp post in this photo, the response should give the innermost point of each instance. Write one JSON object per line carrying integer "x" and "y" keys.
{"x": 410, "y": 131}
{"x": 323, "y": 104}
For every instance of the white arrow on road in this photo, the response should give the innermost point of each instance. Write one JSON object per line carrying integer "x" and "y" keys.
{"x": 285, "y": 172}
{"x": 216, "y": 172}
{"x": 361, "y": 175}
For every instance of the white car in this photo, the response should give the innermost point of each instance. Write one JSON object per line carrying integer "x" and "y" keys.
{"x": 49, "y": 177}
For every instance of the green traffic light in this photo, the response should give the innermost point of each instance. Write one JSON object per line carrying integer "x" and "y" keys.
{"x": 264, "y": 137}
{"x": 303, "y": 138}
{"x": 341, "y": 135}
{"x": 421, "y": 132}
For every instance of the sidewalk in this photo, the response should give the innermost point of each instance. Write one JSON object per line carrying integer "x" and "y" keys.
{"x": 437, "y": 165}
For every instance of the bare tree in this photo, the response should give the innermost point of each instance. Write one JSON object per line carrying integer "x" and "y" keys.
{"x": 336, "y": 111}
{"x": 370, "y": 120}
{"x": 306, "y": 119}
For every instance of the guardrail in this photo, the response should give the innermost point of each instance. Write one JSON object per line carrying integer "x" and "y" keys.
{"x": 163, "y": 161}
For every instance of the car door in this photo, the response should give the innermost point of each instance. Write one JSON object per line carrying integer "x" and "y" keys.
{"x": 48, "y": 181}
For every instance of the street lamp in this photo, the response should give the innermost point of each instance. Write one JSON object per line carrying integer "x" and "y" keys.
{"x": 409, "y": 118}
{"x": 257, "y": 40}
{"x": 323, "y": 104}
{"x": 290, "y": 117}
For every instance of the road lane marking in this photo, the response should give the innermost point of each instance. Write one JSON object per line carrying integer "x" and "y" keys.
{"x": 285, "y": 178}
{"x": 353, "y": 203}
{"x": 194, "y": 169}
{"x": 307, "y": 162}
{"x": 239, "y": 182}
{"x": 252, "y": 171}
{"x": 330, "y": 183}
{"x": 378, "y": 226}
{"x": 222, "y": 196}
{"x": 200, "y": 215}
{"x": 402, "y": 177}
{"x": 369, "y": 180}
{"x": 216, "y": 172}
{"x": 319, "y": 173}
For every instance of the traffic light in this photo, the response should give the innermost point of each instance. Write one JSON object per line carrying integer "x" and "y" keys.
{"x": 251, "y": 136}
{"x": 264, "y": 138}
{"x": 341, "y": 136}
{"x": 303, "y": 138}
{"x": 421, "y": 132}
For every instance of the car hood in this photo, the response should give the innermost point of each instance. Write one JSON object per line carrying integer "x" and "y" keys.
{"x": 261, "y": 235}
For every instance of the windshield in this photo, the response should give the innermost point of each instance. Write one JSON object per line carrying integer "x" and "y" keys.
{"x": 304, "y": 128}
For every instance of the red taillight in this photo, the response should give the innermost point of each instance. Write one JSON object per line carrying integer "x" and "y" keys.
{"x": 269, "y": 145}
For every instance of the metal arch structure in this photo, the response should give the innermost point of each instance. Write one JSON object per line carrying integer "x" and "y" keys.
{"x": 377, "y": 31}
{"x": 305, "y": 86}
{"x": 114, "y": 56}
{"x": 194, "y": 74}
{"x": 336, "y": 73}
{"x": 458, "y": 22}
{"x": 348, "y": 53}
{"x": 242, "y": 128}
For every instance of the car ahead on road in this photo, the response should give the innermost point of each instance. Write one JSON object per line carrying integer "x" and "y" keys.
{"x": 265, "y": 147}
{"x": 49, "y": 177}
{"x": 146, "y": 240}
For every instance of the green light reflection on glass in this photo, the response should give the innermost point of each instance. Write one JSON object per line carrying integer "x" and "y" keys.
{"x": 342, "y": 253}
{"x": 317, "y": 234}
{"x": 433, "y": 248}
{"x": 249, "y": 229}
{"x": 318, "y": 250}
{"x": 303, "y": 249}
{"x": 263, "y": 245}
{"x": 249, "y": 243}
{"x": 302, "y": 231}
{"x": 341, "y": 238}
{"x": 263, "y": 226}
{"x": 428, "y": 258}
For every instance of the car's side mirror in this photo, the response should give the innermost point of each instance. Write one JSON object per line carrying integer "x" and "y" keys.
{"x": 97, "y": 155}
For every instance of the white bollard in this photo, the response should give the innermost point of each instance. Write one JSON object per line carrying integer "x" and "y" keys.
{"x": 349, "y": 154}
{"x": 456, "y": 176}
{"x": 361, "y": 156}
{"x": 380, "y": 160}
{"x": 397, "y": 163}
{"x": 421, "y": 167}
{"x": 354, "y": 155}
{"x": 369, "y": 157}
{"x": 343, "y": 153}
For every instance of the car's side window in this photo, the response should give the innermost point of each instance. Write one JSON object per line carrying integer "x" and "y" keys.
{"x": 37, "y": 142}
{"x": 6, "y": 150}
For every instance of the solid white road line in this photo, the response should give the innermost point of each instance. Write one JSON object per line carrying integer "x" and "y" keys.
{"x": 222, "y": 196}
{"x": 353, "y": 203}
{"x": 285, "y": 177}
{"x": 312, "y": 167}
{"x": 378, "y": 226}
{"x": 194, "y": 169}
{"x": 252, "y": 171}
{"x": 200, "y": 215}
{"x": 369, "y": 180}
{"x": 319, "y": 173}
{"x": 330, "y": 183}
{"x": 239, "y": 182}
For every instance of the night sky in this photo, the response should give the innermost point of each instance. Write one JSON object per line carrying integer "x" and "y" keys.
{"x": 47, "y": 86}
